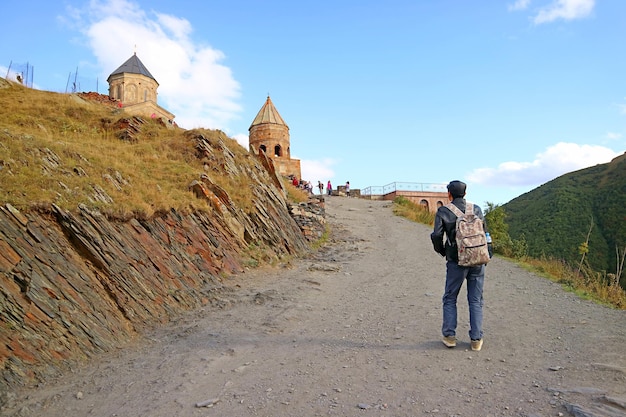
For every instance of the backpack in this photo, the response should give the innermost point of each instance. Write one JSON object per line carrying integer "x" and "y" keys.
{"x": 471, "y": 240}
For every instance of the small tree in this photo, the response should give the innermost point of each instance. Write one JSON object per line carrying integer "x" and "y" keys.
{"x": 495, "y": 215}
{"x": 499, "y": 230}
{"x": 620, "y": 264}
{"x": 583, "y": 249}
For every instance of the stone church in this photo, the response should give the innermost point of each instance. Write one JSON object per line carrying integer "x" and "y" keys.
{"x": 269, "y": 133}
{"x": 136, "y": 89}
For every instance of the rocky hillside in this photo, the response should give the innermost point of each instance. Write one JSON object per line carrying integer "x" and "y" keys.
{"x": 75, "y": 282}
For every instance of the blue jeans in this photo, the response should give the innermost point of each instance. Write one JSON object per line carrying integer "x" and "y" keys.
{"x": 455, "y": 275}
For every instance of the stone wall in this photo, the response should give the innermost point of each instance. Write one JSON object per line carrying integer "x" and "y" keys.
{"x": 428, "y": 199}
{"x": 341, "y": 190}
{"x": 133, "y": 88}
{"x": 138, "y": 95}
{"x": 149, "y": 109}
{"x": 310, "y": 217}
{"x": 75, "y": 284}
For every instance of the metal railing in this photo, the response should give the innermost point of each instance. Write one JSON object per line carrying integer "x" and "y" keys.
{"x": 404, "y": 186}
{"x": 372, "y": 190}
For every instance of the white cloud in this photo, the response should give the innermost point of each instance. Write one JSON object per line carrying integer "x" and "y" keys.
{"x": 193, "y": 82}
{"x": 8, "y": 73}
{"x": 317, "y": 170}
{"x": 613, "y": 135}
{"x": 242, "y": 139}
{"x": 564, "y": 9}
{"x": 557, "y": 160}
{"x": 519, "y": 5}
{"x": 19, "y": 71}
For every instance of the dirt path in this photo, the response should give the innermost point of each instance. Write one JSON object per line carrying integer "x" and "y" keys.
{"x": 355, "y": 330}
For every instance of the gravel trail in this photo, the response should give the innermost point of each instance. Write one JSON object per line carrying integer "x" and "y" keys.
{"x": 354, "y": 330}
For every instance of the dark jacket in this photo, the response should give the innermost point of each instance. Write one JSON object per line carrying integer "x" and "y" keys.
{"x": 445, "y": 223}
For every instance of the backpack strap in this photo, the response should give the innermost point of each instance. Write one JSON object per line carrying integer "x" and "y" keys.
{"x": 454, "y": 209}
{"x": 458, "y": 213}
{"x": 469, "y": 208}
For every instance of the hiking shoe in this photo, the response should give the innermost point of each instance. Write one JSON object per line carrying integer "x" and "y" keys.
{"x": 449, "y": 341}
{"x": 477, "y": 344}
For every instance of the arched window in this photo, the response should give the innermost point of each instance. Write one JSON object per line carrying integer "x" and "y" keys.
{"x": 439, "y": 204}
{"x": 119, "y": 92}
{"x": 263, "y": 148}
{"x": 278, "y": 151}
{"x": 424, "y": 204}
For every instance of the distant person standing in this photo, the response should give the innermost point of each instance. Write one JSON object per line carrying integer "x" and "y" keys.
{"x": 347, "y": 188}
{"x": 320, "y": 185}
{"x": 329, "y": 188}
{"x": 445, "y": 223}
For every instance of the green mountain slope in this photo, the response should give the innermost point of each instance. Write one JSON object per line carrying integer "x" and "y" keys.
{"x": 556, "y": 217}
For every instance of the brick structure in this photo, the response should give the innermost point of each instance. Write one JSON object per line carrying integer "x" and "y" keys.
{"x": 269, "y": 133}
{"x": 428, "y": 199}
{"x": 136, "y": 89}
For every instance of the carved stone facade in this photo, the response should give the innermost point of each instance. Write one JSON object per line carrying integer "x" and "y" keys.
{"x": 269, "y": 133}
{"x": 136, "y": 89}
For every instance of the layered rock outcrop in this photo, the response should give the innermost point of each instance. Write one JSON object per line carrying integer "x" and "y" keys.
{"x": 74, "y": 284}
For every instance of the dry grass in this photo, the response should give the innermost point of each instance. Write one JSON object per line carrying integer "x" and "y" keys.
{"x": 587, "y": 284}
{"x": 297, "y": 195}
{"x": 406, "y": 208}
{"x": 59, "y": 149}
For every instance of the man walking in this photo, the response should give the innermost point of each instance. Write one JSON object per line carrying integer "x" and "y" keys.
{"x": 445, "y": 223}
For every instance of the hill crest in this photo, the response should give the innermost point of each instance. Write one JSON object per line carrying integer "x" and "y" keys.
{"x": 556, "y": 217}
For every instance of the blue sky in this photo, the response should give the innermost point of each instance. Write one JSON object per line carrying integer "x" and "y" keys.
{"x": 504, "y": 95}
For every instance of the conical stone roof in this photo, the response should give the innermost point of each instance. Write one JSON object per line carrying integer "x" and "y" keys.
{"x": 133, "y": 66}
{"x": 268, "y": 114}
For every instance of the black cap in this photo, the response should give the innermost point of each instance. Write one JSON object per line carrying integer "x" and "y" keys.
{"x": 457, "y": 188}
